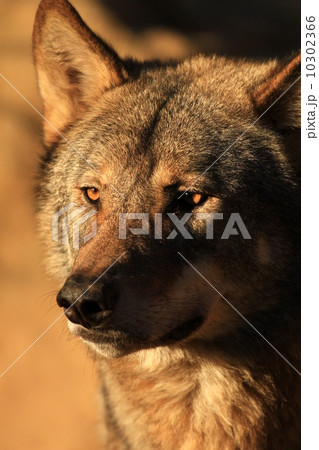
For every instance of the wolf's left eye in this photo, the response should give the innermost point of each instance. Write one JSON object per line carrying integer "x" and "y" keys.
{"x": 193, "y": 198}
{"x": 92, "y": 194}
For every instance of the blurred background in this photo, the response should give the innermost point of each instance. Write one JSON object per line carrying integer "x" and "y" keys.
{"x": 48, "y": 399}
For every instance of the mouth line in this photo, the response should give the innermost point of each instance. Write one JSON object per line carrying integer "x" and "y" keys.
{"x": 179, "y": 333}
{"x": 98, "y": 338}
{"x": 184, "y": 330}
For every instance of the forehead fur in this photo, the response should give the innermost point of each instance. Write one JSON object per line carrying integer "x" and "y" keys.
{"x": 171, "y": 119}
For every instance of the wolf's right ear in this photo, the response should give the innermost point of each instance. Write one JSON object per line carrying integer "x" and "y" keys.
{"x": 74, "y": 66}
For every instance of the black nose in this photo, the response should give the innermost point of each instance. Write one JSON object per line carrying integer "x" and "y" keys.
{"x": 86, "y": 303}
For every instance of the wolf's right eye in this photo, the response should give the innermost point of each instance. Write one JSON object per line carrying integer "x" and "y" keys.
{"x": 92, "y": 194}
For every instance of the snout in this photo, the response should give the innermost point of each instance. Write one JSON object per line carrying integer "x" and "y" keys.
{"x": 120, "y": 315}
{"x": 87, "y": 303}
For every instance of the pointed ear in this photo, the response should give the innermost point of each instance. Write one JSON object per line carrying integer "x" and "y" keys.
{"x": 74, "y": 66}
{"x": 280, "y": 91}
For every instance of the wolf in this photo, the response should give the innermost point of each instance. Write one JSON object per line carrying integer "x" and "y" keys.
{"x": 196, "y": 340}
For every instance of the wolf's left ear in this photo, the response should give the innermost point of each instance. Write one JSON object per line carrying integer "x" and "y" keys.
{"x": 74, "y": 66}
{"x": 280, "y": 91}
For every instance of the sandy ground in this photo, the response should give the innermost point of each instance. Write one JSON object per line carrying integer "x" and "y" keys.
{"x": 48, "y": 399}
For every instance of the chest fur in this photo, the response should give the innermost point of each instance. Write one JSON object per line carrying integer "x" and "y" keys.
{"x": 184, "y": 406}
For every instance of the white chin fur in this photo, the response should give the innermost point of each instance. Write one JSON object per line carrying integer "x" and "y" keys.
{"x": 74, "y": 328}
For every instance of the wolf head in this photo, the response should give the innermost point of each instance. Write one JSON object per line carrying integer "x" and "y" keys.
{"x": 208, "y": 135}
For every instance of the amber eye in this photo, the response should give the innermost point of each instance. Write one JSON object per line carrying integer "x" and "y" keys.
{"x": 92, "y": 194}
{"x": 193, "y": 198}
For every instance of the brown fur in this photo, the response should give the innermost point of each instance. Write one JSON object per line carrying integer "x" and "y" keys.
{"x": 152, "y": 129}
